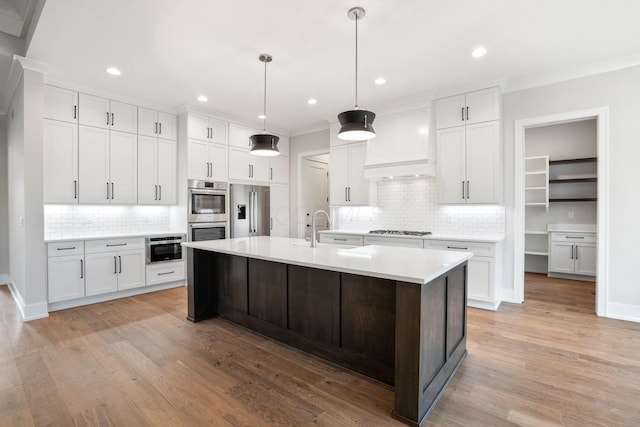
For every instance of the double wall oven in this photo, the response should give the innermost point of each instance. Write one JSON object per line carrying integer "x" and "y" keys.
{"x": 208, "y": 210}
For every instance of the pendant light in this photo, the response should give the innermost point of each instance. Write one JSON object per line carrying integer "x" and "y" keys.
{"x": 356, "y": 124}
{"x": 264, "y": 144}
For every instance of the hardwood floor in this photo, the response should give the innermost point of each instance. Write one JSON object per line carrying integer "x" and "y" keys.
{"x": 137, "y": 361}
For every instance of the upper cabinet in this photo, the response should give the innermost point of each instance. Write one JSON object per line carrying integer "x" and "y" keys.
{"x": 244, "y": 166}
{"x": 473, "y": 107}
{"x": 104, "y": 113}
{"x": 60, "y": 104}
{"x": 347, "y": 183}
{"x": 156, "y": 171}
{"x": 158, "y": 124}
{"x": 206, "y": 128}
{"x": 279, "y": 169}
{"x": 60, "y": 162}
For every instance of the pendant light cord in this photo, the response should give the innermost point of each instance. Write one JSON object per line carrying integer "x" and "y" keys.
{"x": 357, "y": 17}
{"x": 264, "y": 106}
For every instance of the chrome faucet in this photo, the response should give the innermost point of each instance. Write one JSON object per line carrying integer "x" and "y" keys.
{"x": 314, "y": 242}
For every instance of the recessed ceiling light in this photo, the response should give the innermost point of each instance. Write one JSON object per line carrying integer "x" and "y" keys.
{"x": 262, "y": 117}
{"x": 113, "y": 71}
{"x": 203, "y": 98}
{"x": 380, "y": 81}
{"x": 479, "y": 52}
{"x": 312, "y": 101}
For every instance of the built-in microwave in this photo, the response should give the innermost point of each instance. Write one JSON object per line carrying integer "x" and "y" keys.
{"x": 207, "y": 231}
{"x": 164, "y": 248}
{"x": 208, "y": 201}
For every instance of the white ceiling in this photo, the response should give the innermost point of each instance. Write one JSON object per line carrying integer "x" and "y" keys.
{"x": 172, "y": 51}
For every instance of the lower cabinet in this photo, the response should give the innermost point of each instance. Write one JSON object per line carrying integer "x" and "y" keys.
{"x": 341, "y": 239}
{"x": 573, "y": 253}
{"x": 165, "y": 272}
{"x": 394, "y": 241}
{"x": 66, "y": 271}
{"x": 115, "y": 271}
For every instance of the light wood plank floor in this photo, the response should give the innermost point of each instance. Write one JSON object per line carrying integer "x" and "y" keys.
{"x": 138, "y": 362}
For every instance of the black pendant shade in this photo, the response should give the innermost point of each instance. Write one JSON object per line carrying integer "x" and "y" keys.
{"x": 356, "y": 125}
{"x": 264, "y": 144}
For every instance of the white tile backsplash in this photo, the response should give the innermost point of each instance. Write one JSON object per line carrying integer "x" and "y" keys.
{"x": 70, "y": 221}
{"x": 410, "y": 204}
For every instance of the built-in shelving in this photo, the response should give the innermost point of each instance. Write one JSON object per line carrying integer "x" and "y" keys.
{"x": 536, "y": 189}
{"x": 573, "y": 180}
{"x": 574, "y": 199}
{"x": 536, "y": 232}
{"x": 536, "y": 253}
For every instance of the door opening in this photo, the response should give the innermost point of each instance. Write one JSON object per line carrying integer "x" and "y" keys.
{"x": 314, "y": 190}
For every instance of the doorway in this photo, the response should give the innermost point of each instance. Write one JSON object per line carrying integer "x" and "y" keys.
{"x": 314, "y": 192}
{"x": 600, "y": 116}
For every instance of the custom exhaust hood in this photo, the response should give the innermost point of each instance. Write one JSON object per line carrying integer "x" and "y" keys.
{"x": 403, "y": 147}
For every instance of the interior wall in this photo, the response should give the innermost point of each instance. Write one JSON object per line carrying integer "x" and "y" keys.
{"x": 4, "y": 201}
{"x": 310, "y": 142}
{"x": 617, "y": 90}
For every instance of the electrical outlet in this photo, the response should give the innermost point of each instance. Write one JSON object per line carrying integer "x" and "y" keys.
{"x": 571, "y": 214}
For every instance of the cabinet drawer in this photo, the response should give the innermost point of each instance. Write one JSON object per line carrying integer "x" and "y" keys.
{"x": 342, "y": 239}
{"x": 394, "y": 241}
{"x": 478, "y": 248}
{"x": 66, "y": 248}
{"x": 574, "y": 237}
{"x": 96, "y": 246}
{"x": 165, "y": 272}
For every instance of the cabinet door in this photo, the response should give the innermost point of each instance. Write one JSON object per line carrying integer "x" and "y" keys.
{"x": 338, "y": 174}
{"x": 218, "y": 158}
{"x": 484, "y": 106}
{"x": 450, "y": 112}
{"x": 358, "y": 185}
{"x": 483, "y": 163}
{"x": 93, "y": 165}
{"x": 123, "y": 168}
{"x": 260, "y": 167}
{"x": 218, "y": 131}
{"x": 451, "y": 165}
{"x": 239, "y": 165}
{"x": 167, "y": 126}
{"x": 586, "y": 259}
{"x": 480, "y": 285}
{"x": 198, "y": 127}
{"x": 131, "y": 269}
{"x": 101, "y": 273}
{"x": 147, "y": 122}
{"x": 279, "y": 205}
{"x": 166, "y": 172}
{"x": 198, "y": 160}
{"x": 239, "y": 136}
{"x": 60, "y": 162}
{"x": 147, "y": 171}
{"x": 93, "y": 111}
{"x": 279, "y": 169}
{"x": 60, "y": 104}
{"x": 124, "y": 117}
{"x": 65, "y": 278}
{"x": 561, "y": 257}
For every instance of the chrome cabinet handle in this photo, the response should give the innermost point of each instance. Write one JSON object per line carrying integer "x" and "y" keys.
{"x": 168, "y": 272}
{"x": 111, "y": 119}
{"x": 270, "y": 223}
{"x": 576, "y": 246}
{"x": 457, "y": 247}
{"x": 81, "y": 269}
{"x": 345, "y": 194}
{"x": 115, "y": 265}
{"x": 120, "y": 264}
{"x": 572, "y": 248}
{"x": 66, "y": 249}
{"x": 468, "y": 191}
{"x": 112, "y": 192}
{"x": 107, "y": 119}
{"x": 75, "y": 111}
{"x": 107, "y": 191}
{"x": 574, "y": 237}
{"x": 349, "y": 193}
{"x": 463, "y": 189}
{"x": 75, "y": 188}
{"x": 335, "y": 239}
{"x": 467, "y": 113}
{"x": 462, "y": 113}
{"x": 271, "y": 171}
{"x": 159, "y": 192}
{"x": 156, "y": 197}
{"x": 155, "y": 128}
{"x": 116, "y": 244}
{"x": 160, "y": 128}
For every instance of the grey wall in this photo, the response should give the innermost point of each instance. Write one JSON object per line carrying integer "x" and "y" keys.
{"x": 310, "y": 142}
{"x": 620, "y": 91}
{"x": 4, "y": 202}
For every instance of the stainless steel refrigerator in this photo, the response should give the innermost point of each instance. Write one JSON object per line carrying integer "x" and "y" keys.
{"x": 250, "y": 210}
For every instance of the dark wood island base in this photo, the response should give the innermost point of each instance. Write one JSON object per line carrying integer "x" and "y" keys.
{"x": 408, "y": 335}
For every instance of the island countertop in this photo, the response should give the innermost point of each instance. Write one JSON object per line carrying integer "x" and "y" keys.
{"x": 401, "y": 264}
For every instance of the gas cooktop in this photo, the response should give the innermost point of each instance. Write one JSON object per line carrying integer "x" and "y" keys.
{"x": 401, "y": 232}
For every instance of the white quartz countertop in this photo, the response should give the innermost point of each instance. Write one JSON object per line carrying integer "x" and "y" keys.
{"x": 465, "y": 238}
{"x": 119, "y": 236}
{"x": 575, "y": 228}
{"x": 401, "y": 264}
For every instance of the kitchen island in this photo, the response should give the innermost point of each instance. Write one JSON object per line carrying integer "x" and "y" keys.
{"x": 397, "y": 315}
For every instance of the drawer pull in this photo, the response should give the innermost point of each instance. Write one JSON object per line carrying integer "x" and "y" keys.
{"x": 574, "y": 237}
{"x": 339, "y": 240}
{"x": 164, "y": 274}
{"x": 66, "y": 249}
{"x": 119, "y": 244}
{"x": 457, "y": 247}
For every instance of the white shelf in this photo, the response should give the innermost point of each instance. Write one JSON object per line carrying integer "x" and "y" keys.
{"x": 536, "y": 188}
{"x": 535, "y": 232}
{"x": 536, "y": 253}
{"x": 536, "y": 170}
{"x": 536, "y": 173}
{"x": 536, "y": 204}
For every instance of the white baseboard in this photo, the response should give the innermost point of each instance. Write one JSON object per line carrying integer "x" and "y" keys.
{"x": 63, "y": 305}
{"x": 4, "y": 279}
{"x": 620, "y": 311}
{"x": 508, "y": 296}
{"x": 30, "y": 311}
{"x": 485, "y": 305}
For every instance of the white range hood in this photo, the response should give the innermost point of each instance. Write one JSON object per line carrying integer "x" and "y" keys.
{"x": 403, "y": 146}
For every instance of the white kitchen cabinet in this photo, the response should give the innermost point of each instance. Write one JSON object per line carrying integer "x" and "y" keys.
{"x": 279, "y": 169}
{"x": 340, "y": 238}
{"x": 165, "y": 272}
{"x": 207, "y": 161}
{"x": 473, "y": 107}
{"x": 158, "y": 124}
{"x": 60, "y": 162}
{"x": 279, "y": 205}
{"x": 156, "y": 171}
{"x": 107, "y": 166}
{"x": 114, "y": 265}
{"x": 60, "y": 104}
{"x": 394, "y": 241}
{"x": 468, "y": 164}
{"x": 347, "y": 184}
{"x": 239, "y": 135}
{"x": 483, "y": 269}
{"x": 244, "y": 166}
{"x": 66, "y": 271}
{"x": 206, "y": 128}
{"x": 106, "y": 114}
{"x": 572, "y": 253}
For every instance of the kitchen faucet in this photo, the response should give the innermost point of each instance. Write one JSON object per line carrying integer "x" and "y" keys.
{"x": 314, "y": 243}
